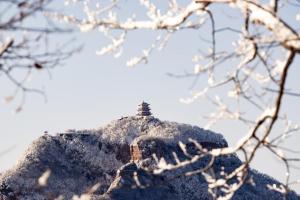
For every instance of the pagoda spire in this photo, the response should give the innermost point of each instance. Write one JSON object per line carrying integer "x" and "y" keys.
{"x": 143, "y": 109}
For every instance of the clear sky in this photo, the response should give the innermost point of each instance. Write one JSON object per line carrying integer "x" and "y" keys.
{"x": 89, "y": 91}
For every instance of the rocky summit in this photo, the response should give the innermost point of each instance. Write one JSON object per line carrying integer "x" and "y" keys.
{"x": 120, "y": 162}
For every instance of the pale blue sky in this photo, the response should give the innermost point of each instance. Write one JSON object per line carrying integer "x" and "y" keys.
{"x": 89, "y": 91}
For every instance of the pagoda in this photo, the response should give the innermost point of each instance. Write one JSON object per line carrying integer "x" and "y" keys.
{"x": 143, "y": 110}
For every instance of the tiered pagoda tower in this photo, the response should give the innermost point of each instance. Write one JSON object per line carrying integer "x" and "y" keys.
{"x": 143, "y": 110}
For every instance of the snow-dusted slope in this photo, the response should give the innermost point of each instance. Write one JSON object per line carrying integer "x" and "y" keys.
{"x": 76, "y": 161}
{"x": 126, "y": 129}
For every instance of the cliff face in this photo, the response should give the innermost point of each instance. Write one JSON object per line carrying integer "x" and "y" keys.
{"x": 98, "y": 162}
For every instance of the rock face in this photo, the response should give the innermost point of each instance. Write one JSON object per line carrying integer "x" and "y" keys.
{"x": 98, "y": 163}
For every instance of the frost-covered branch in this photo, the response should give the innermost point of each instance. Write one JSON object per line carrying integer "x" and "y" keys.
{"x": 244, "y": 82}
{"x": 26, "y": 47}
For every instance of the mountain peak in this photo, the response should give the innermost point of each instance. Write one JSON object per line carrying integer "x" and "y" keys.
{"x": 110, "y": 160}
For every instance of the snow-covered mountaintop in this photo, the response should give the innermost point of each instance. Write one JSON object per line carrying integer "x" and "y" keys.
{"x": 100, "y": 160}
{"x": 126, "y": 129}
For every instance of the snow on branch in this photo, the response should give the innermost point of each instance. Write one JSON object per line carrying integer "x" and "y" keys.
{"x": 244, "y": 82}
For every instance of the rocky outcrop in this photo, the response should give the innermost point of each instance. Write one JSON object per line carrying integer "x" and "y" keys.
{"x": 98, "y": 163}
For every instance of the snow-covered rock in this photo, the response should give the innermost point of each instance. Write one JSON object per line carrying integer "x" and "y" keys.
{"x": 97, "y": 163}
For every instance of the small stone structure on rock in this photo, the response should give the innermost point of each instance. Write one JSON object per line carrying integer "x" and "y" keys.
{"x": 135, "y": 153}
{"x": 143, "y": 110}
